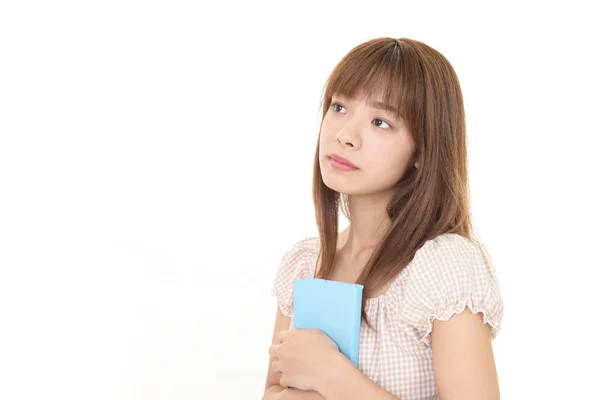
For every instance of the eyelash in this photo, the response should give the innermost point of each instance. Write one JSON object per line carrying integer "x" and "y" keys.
{"x": 333, "y": 106}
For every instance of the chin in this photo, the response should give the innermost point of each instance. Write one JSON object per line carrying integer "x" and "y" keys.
{"x": 340, "y": 184}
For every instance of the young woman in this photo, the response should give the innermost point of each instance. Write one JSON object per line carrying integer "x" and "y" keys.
{"x": 392, "y": 154}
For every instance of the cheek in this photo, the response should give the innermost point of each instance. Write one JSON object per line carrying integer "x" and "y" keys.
{"x": 327, "y": 128}
{"x": 389, "y": 160}
{"x": 384, "y": 152}
{"x": 327, "y": 137}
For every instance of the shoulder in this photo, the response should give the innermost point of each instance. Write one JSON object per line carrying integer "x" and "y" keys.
{"x": 307, "y": 247}
{"x": 447, "y": 274}
{"x": 449, "y": 244}
{"x": 450, "y": 253}
{"x": 452, "y": 262}
{"x": 297, "y": 262}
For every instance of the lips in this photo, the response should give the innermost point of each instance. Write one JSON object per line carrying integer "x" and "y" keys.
{"x": 342, "y": 160}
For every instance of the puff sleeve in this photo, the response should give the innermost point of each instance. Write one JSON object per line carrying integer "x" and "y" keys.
{"x": 296, "y": 263}
{"x": 450, "y": 273}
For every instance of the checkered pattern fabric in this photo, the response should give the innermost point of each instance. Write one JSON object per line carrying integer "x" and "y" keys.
{"x": 447, "y": 274}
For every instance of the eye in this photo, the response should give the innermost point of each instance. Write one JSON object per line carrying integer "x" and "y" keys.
{"x": 378, "y": 122}
{"x": 337, "y": 107}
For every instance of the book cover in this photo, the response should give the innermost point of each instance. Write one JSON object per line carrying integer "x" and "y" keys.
{"x": 333, "y": 307}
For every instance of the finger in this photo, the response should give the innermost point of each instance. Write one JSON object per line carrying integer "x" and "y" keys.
{"x": 275, "y": 366}
{"x": 283, "y": 381}
{"x": 282, "y": 335}
{"x": 273, "y": 350}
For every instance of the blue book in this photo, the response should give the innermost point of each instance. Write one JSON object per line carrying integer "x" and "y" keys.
{"x": 333, "y": 307}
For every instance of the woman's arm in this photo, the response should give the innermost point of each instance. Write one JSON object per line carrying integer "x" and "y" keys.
{"x": 463, "y": 359}
{"x": 273, "y": 390}
{"x": 463, "y": 365}
{"x": 346, "y": 382}
{"x": 340, "y": 379}
{"x": 277, "y": 392}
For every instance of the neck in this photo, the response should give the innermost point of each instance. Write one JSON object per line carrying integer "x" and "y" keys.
{"x": 369, "y": 224}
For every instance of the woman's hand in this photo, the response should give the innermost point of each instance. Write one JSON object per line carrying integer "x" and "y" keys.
{"x": 297, "y": 394}
{"x": 303, "y": 356}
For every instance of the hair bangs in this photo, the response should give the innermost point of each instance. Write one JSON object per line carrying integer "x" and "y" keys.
{"x": 388, "y": 74}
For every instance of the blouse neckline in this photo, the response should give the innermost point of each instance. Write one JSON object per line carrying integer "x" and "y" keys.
{"x": 377, "y": 298}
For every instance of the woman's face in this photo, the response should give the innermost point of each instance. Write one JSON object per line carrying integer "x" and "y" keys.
{"x": 362, "y": 131}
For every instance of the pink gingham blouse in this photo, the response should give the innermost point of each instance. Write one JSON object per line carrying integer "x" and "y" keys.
{"x": 447, "y": 274}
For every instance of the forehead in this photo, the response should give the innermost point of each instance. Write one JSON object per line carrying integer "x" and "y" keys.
{"x": 363, "y": 93}
{"x": 372, "y": 99}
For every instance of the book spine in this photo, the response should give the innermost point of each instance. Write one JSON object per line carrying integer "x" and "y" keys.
{"x": 357, "y": 324}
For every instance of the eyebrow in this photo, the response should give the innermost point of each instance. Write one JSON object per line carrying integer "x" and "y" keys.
{"x": 382, "y": 106}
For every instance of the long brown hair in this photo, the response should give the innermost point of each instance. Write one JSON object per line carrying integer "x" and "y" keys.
{"x": 429, "y": 200}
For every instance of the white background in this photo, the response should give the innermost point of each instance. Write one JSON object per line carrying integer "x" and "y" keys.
{"x": 156, "y": 162}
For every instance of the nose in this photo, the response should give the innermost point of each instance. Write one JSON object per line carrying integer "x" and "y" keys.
{"x": 349, "y": 134}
